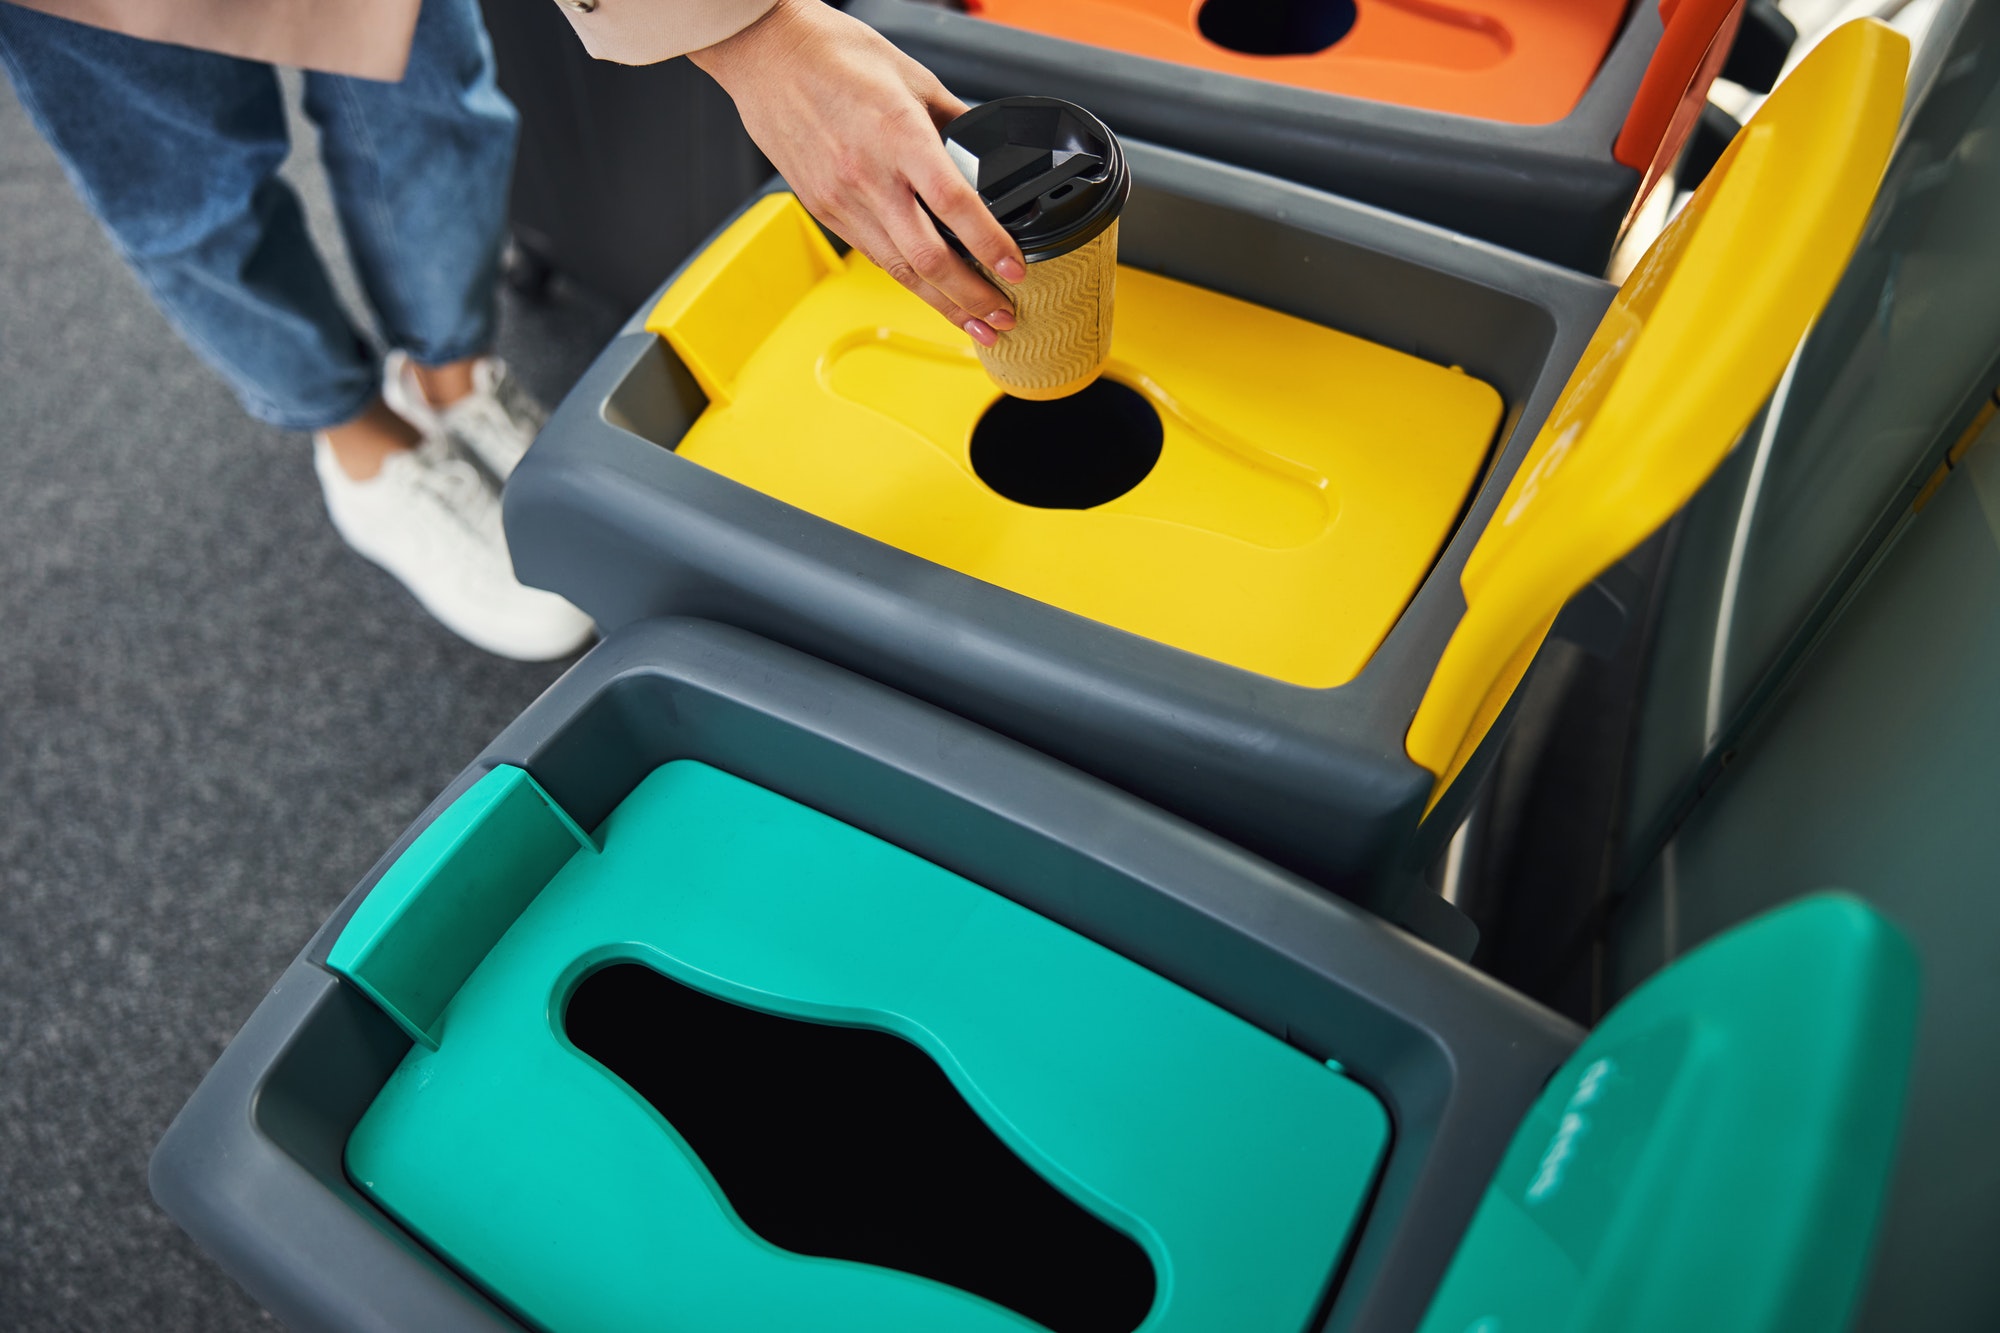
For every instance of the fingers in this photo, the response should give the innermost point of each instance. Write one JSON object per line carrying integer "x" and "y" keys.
{"x": 860, "y": 226}
{"x": 873, "y": 242}
{"x": 927, "y": 255}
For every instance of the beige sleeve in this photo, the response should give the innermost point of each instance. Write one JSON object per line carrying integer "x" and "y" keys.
{"x": 645, "y": 32}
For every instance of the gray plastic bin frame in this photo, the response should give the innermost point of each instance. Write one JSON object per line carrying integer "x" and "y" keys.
{"x": 603, "y": 511}
{"x": 1549, "y": 190}
{"x": 252, "y": 1166}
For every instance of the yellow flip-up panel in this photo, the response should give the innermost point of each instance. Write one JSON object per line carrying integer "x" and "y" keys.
{"x": 1306, "y": 479}
{"x": 1693, "y": 343}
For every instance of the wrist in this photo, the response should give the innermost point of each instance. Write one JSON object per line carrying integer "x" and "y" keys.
{"x": 776, "y": 26}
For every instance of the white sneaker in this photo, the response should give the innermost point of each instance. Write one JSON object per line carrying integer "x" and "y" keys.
{"x": 433, "y": 522}
{"x": 495, "y": 423}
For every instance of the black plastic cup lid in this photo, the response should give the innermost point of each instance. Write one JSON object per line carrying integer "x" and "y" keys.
{"x": 1051, "y": 172}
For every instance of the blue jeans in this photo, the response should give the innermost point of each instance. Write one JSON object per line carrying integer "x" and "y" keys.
{"x": 177, "y": 152}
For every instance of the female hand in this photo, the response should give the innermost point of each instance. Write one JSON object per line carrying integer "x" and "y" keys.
{"x": 852, "y": 124}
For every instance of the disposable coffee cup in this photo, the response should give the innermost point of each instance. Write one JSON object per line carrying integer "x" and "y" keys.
{"x": 1054, "y": 176}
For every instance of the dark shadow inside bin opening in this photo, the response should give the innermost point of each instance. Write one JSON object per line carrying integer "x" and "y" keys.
{"x": 1068, "y": 453}
{"x": 1275, "y": 27}
{"x": 849, "y": 1143}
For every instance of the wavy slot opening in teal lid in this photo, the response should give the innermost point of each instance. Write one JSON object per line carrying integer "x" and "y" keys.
{"x": 851, "y": 1143}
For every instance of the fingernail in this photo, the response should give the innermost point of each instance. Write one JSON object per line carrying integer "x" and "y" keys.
{"x": 982, "y": 335}
{"x": 1011, "y": 270}
{"x": 1001, "y": 320}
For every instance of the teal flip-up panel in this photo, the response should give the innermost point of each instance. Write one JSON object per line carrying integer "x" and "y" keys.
{"x": 1715, "y": 1156}
{"x": 1237, "y": 1165}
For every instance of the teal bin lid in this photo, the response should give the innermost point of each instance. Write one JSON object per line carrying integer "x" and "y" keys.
{"x": 1713, "y": 1158}
{"x": 1234, "y": 1164}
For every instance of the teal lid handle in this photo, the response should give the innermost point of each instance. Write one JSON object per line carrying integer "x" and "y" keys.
{"x": 440, "y": 908}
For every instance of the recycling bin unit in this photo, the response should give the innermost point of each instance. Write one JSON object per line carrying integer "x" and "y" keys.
{"x": 608, "y": 510}
{"x": 732, "y": 991}
{"x": 1282, "y": 569}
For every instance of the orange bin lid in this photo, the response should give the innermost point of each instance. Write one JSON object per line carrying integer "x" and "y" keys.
{"x": 1521, "y": 61}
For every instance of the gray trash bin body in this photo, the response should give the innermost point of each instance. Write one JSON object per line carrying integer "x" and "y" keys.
{"x": 252, "y": 1167}
{"x": 603, "y": 511}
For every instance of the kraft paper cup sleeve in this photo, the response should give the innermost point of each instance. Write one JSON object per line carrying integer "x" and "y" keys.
{"x": 1062, "y": 323}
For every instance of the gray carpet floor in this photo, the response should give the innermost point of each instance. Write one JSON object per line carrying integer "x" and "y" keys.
{"x": 213, "y": 718}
